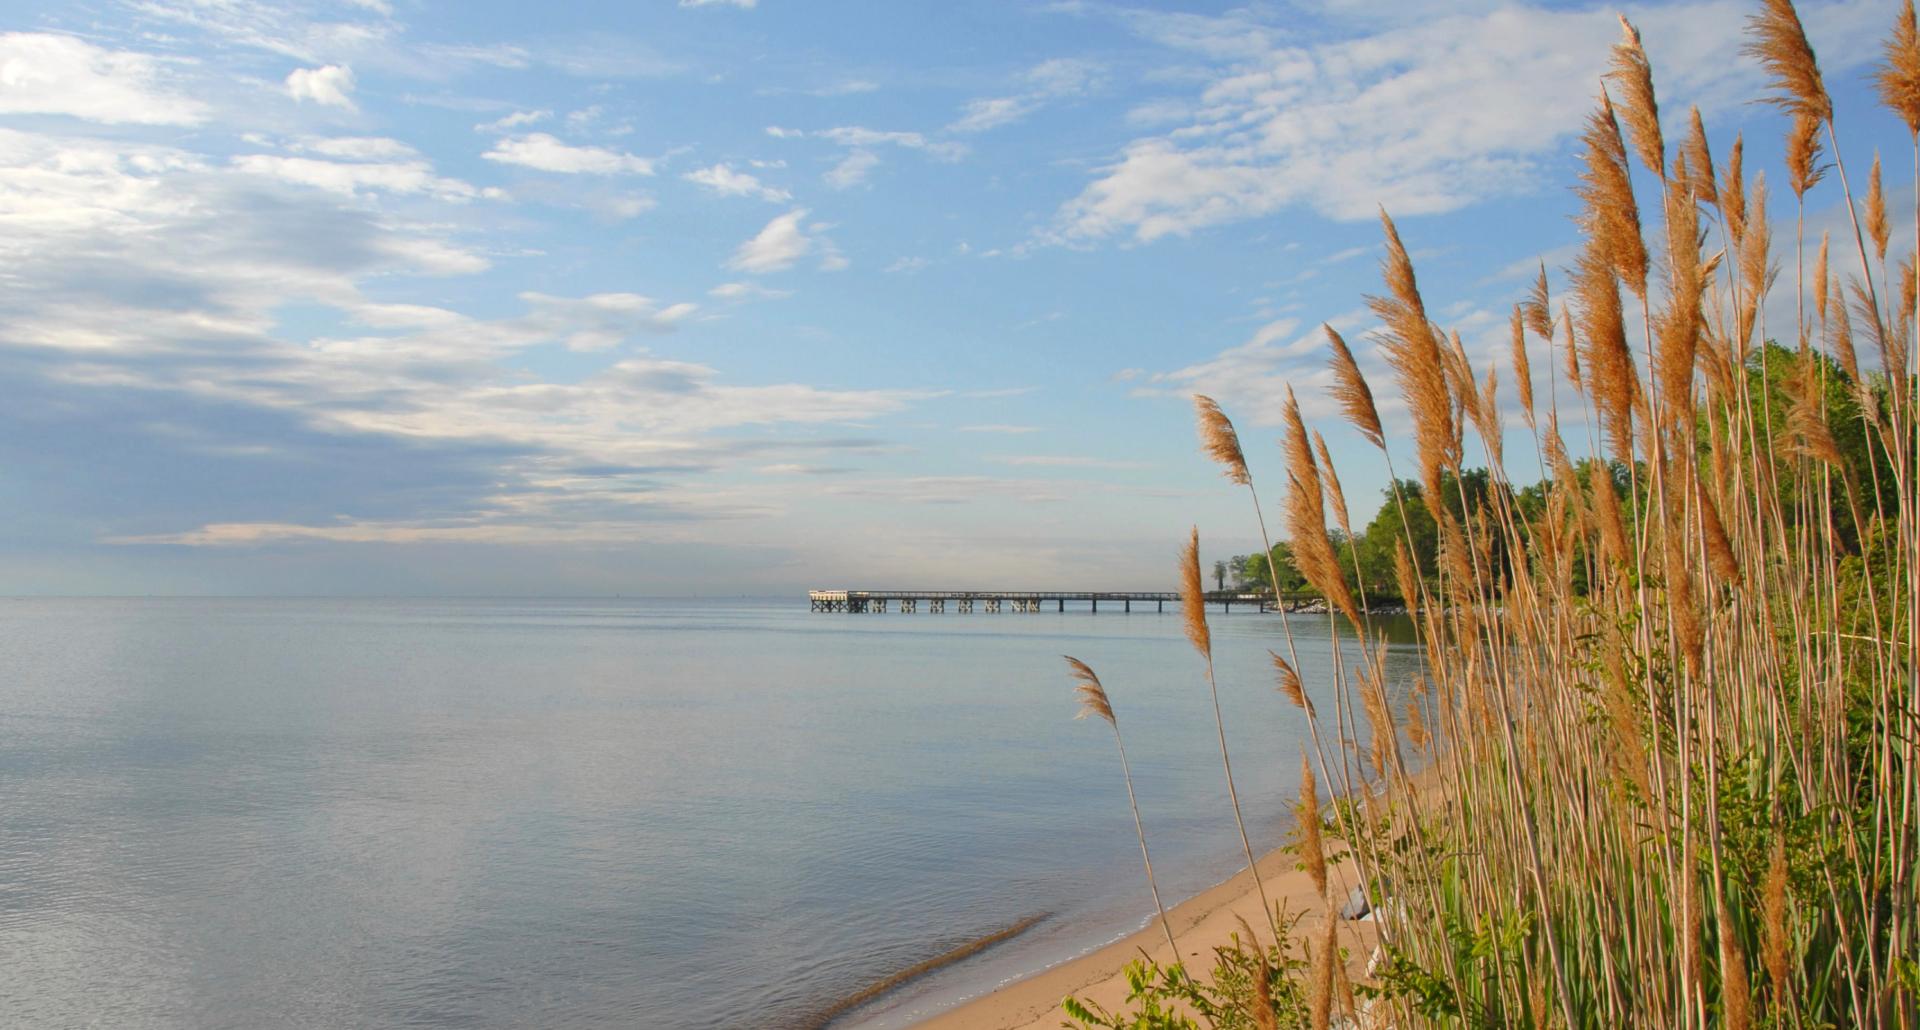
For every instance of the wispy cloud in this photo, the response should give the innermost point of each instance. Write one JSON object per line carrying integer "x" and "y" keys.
{"x": 746, "y": 291}
{"x": 546, "y": 153}
{"x": 729, "y": 182}
{"x": 782, "y": 243}
{"x": 1047, "y": 81}
{"x": 1423, "y": 116}
{"x": 515, "y": 120}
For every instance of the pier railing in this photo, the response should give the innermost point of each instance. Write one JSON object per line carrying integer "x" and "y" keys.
{"x": 967, "y": 601}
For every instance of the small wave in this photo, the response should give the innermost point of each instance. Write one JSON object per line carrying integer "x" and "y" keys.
{"x": 946, "y": 958}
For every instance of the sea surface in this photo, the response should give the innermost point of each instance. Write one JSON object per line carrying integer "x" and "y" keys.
{"x": 595, "y": 813}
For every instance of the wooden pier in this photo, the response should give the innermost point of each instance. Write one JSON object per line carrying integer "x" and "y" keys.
{"x": 969, "y": 601}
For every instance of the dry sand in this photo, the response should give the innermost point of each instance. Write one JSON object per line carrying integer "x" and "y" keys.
{"x": 1199, "y": 924}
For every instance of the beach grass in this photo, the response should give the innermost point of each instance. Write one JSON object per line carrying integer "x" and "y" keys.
{"x": 1659, "y": 765}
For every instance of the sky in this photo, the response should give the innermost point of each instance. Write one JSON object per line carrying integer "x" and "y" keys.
{"x": 728, "y": 297}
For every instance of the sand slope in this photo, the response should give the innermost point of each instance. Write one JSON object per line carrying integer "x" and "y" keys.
{"x": 1199, "y": 924}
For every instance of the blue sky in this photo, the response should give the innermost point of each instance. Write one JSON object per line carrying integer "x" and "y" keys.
{"x": 397, "y": 296}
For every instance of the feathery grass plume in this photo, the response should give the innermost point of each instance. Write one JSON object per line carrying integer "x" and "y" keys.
{"x": 1335, "y": 495}
{"x": 1571, "y": 350}
{"x": 1093, "y": 701}
{"x": 1780, "y": 44}
{"x": 1773, "y": 920}
{"x": 1699, "y": 160}
{"x": 1630, "y": 68}
{"x": 1193, "y": 597}
{"x": 1616, "y": 386}
{"x": 1459, "y": 377}
{"x": 1351, "y": 390}
{"x": 1720, "y": 556}
{"x": 1733, "y": 192}
{"x": 1898, "y": 78}
{"x": 1263, "y": 1018}
{"x": 1566, "y": 480}
{"x": 1736, "y": 1002}
{"x": 1487, "y": 418}
{"x": 1306, "y": 518}
{"x": 1611, "y": 216}
{"x": 1908, "y": 286}
{"x": 1687, "y": 631}
{"x": 1681, "y": 320}
{"x": 1607, "y": 515}
{"x": 1312, "y": 851}
{"x": 1091, "y": 694}
{"x": 1820, "y": 279}
{"x": 1290, "y": 683}
{"x": 1413, "y": 350}
{"x": 1320, "y": 978}
{"x": 1807, "y": 424}
{"x": 1538, "y": 307}
{"x": 1406, "y": 578}
{"x": 1522, "y": 370}
{"x": 1417, "y": 734}
{"x": 1840, "y": 336}
{"x": 1877, "y": 209}
{"x": 1804, "y": 170}
{"x": 1756, "y": 270}
{"x": 1219, "y": 441}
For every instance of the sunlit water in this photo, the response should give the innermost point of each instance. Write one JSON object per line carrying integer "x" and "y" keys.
{"x": 608, "y": 813}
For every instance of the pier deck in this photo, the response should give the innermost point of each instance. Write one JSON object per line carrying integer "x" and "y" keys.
{"x": 968, "y": 601}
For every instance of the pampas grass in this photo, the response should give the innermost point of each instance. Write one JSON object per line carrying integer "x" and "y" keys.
{"x": 1093, "y": 701}
{"x": 1667, "y": 699}
{"x": 1193, "y": 611}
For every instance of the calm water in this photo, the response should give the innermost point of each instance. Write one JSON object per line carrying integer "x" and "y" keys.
{"x": 308, "y": 813}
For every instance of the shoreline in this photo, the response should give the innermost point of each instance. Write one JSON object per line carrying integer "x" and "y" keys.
{"x": 1200, "y": 923}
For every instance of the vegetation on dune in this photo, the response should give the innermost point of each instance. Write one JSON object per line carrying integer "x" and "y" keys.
{"x": 1667, "y": 709}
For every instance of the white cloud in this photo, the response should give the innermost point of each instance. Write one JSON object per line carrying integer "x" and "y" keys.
{"x": 544, "y": 152}
{"x": 513, "y": 121}
{"x": 599, "y": 321}
{"x": 42, "y": 73}
{"x": 859, "y": 136}
{"x": 852, "y": 170}
{"x": 357, "y": 177}
{"x": 746, "y": 291}
{"x": 355, "y": 148}
{"x": 1423, "y": 116}
{"x": 330, "y": 85}
{"x": 776, "y": 247}
{"x": 730, "y": 183}
{"x": 991, "y": 112}
{"x": 907, "y": 264}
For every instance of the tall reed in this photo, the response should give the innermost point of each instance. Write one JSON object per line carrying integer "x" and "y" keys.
{"x": 1669, "y": 697}
{"x": 1094, "y": 702}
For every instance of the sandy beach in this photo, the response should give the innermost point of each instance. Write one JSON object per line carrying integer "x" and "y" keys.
{"x": 1200, "y": 924}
